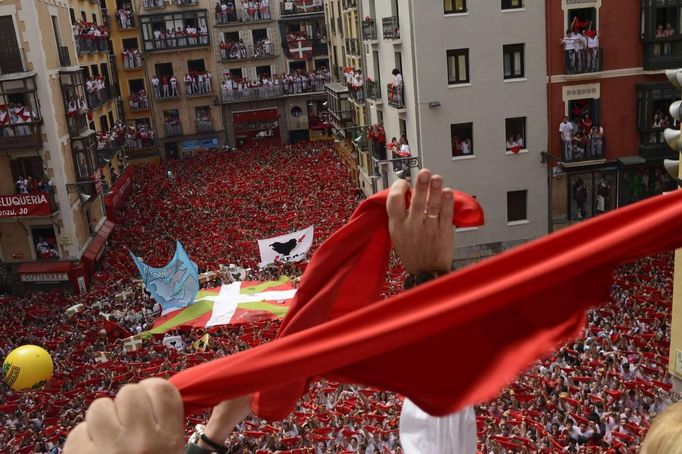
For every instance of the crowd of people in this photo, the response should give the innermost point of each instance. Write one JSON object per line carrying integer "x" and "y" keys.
{"x": 198, "y": 83}
{"x": 582, "y": 139}
{"x": 597, "y": 394}
{"x": 237, "y": 50}
{"x": 30, "y": 185}
{"x": 138, "y": 100}
{"x": 268, "y": 86}
{"x": 252, "y": 11}
{"x": 124, "y": 16}
{"x": 191, "y": 35}
{"x": 132, "y": 58}
{"x": 89, "y": 36}
{"x": 121, "y": 134}
{"x": 581, "y": 47}
{"x": 15, "y": 119}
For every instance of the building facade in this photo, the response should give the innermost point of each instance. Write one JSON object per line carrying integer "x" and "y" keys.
{"x": 179, "y": 64}
{"x": 273, "y": 64}
{"x": 606, "y": 77}
{"x": 471, "y": 105}
{"x": 53, "y": 225}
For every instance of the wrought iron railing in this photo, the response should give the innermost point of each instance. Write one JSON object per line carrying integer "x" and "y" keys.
{"x": 172, "y": 129}
{"x": 244, "y": 93}
{"x": 369, "y": 31}
{"x": 583, "y": 61}
{"x": 204, "y": 125}
{"x": 391, "y": 27}
{"x": 86, "y": 44}
{"x": 396, "y": 95}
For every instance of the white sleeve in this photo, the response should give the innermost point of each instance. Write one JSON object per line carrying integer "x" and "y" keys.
{"x": 421, "y": 433}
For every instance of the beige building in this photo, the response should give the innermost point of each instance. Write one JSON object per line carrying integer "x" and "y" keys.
{"x": 53, "y": 226}
{"x": 180, "y": 74}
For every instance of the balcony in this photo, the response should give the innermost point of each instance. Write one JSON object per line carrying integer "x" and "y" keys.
{"x": 662, "y": 53}
{"x": 203, "y": 126}
{"x": 353, "y": 46}
{"x": 154, "y": 4}
{"x": 64, "y": 57}
{"x": 125, "y": 19}
{"x": 166, "y": 92}
{"x": 396, "y": 96}
{"x": 582, "y": 62}
{"x": 391, "y": 28}
{"x": 77, "y": 124}
{"x": 176, "y": 42}
{"x": 242, "y": 94}
{"x": 173, "y": 129}
{"x": 292, "y": 9}
{"x": 349, "y": 4}
{"x": 583, "y": 150}
{"x": 131, "y": 61}
{"x": 369, "y": 30}
{"x": 25, "y": 135}
{"x": 87, "y": 44}
{"x": 373, "y": 90}
{"x": 203, "y": 88}
{"x": 186, "y": 2}
{"x": 238, "y": 51}
{"x": 356, "y": 94}
{"x": 99, "y": 98}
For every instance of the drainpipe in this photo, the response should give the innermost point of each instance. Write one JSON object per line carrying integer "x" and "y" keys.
{"x": 548, "y": 51}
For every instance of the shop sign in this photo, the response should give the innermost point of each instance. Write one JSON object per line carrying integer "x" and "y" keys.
{"x": 44, "y": 277}
{"x": 19, "y": 205}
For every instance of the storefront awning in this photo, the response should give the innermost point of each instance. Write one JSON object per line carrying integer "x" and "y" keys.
{"x": 44, "y": 272}
{"x": 244, "y": 116}
{"x": 115, "y": 199}
{"x": 97, "y": 246}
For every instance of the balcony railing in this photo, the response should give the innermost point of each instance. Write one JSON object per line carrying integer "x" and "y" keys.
{"x": 369, "y": 31}
{"x": 239, "y": 16}
{"x": 662, "y": 53}
{"x": 25, "y": 135}
{"x": 126, "y": 20}
{"x": 391, "y": 27}
{"x": 240, "y": 94}
{"x": 291, "y": 8}
{"x": 396, "y": 96}
{"x": 583, "y": 61}
{"x": 587, "y": 149}
{"x": 204, "y": 125}
{"x": 349, "y": 4}
{"x": 86, "y": 44}
{"x": 353, "y": 46}
{"x": 64, "y": 57}
{"x": 173, "y": 129}
{"x": 399, "y": 167}
{"x": 166, "y": 92}
{"x": 373, "y": 90}
{"x": 131, "y": 62}
{"x": 138, "y": 104}
{"x": 203, "y": 88}
{"x": 237, "y": 51}
{"x": 154, "y": 4}
{"x": 186, "y": 2}
{"x": 177, "y": 42}
{"x": 77, "y": 124}
{"x": 98, "y": 98}
{"x": 356, "y": 93}
{"x": 140, "y": 143}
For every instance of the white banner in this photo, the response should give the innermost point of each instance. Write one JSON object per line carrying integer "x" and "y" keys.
{"x": 175, "y": 342}
{"x": 292, "y": 247}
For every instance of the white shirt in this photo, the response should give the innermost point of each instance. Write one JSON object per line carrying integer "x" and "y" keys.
{"x": 398, "y": 82}
{"x": 566, "y": 130}
{"x": 421, "y": 433}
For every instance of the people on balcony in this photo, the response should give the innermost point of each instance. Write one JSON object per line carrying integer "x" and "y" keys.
{"x": 14, "y": 119}
{"x": 46, "y": 250}
{"x": 395, "y": 89}
{"x": 233, "y": 50}
{"x": 153, "y": 3}
{"x": 263, "y": 48}
{"x": 189, "y": 36}
{"x": 132, "y": 58}
{"x": 268, "y": 86}
{"x": 581, "y": 139}
{"x": 89, "y": 36}
{"x": 124, "y": 16}
{"x": 581, "y": 47}
{"x": 165, "y": 87}
{"x": 94, "y": 87}
{"x": 204, "y": 121}
{"x": 76, "y": 106}
{"x": 225, "y": 12}
{"x": 121, "y": 134}
{"x": 197, "y": 83}
{"x": 138, "y": 100}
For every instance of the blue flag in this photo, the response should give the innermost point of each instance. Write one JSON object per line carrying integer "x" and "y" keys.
{"x": 175, "y": 285}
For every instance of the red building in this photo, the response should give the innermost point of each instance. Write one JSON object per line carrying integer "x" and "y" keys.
{"x": 606, "y": 61}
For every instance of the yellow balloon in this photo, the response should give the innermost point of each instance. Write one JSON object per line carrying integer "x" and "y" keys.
{"x": 27, "y": 367}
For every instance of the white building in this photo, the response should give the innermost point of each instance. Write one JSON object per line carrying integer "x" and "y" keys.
{"x": 474, "y": 73}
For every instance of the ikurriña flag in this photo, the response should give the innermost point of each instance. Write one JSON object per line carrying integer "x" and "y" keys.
{"x": 175, "y": 285}
{"x": 292, "y": 247}
{"x": 232, "y": 304}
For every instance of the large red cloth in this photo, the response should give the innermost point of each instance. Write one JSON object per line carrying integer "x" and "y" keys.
{"x": 448, "y": 343}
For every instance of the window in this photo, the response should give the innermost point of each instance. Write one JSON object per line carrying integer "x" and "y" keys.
{"x": 129, "y": 43}
{"x": 461, "y": 136}
{"x": 517, "y": 206}
{"x": 513, "y": 61}
{"x": 159, "y": 31}
{"x": 44, "y": 242}
{"x": 512, "y": 4}
{"x": 458, "y": 66}
{"x": 454, "y": 6}
{"x": 515, "y": 129}
{"x": 263, "y": 71}
{"x": 103, "y": 123}
{"x": 72, "y": 14}
{"x": 196, "y": 66}
{"x": 10, "y": 58}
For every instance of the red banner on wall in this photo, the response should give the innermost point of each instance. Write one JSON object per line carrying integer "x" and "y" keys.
{"x": 18, "y": 205}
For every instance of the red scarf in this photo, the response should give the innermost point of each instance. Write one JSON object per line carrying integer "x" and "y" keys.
{"x": 448, "y": 343}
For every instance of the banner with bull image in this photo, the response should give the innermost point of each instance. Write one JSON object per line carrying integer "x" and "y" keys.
{"x": 292, "y": 247}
